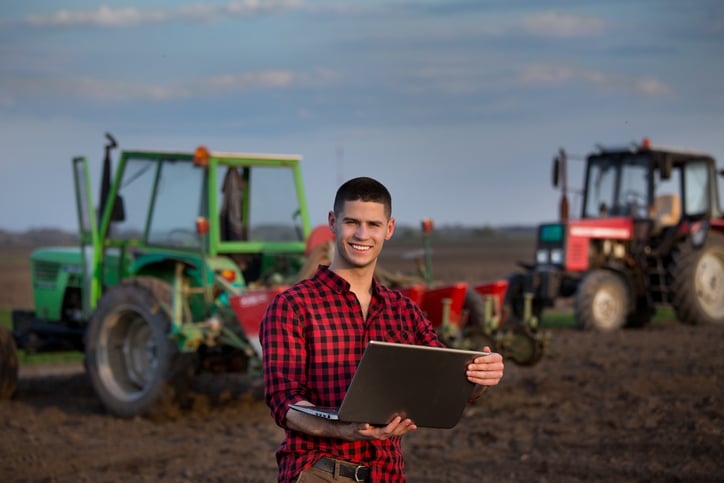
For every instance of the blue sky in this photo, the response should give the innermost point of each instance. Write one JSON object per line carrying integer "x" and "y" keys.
{"x": 457, "y": 106}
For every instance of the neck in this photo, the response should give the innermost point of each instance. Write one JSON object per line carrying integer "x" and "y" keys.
{"x": 359, "y": 278}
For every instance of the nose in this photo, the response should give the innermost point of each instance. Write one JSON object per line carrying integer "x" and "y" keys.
{"x": 361, "y": 231}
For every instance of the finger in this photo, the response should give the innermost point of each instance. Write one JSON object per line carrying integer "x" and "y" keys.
{"x": 404, "y": 427}
{"x": 393, "y": 424}
{"x": 493, "y": 358}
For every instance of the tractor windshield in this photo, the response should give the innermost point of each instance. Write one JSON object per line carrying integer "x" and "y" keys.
{"x": 253, "y": 205}
{"x": 617, "y": 186}
{"x": 162, "y": 199}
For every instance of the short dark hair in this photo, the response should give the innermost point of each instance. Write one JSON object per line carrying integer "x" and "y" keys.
{"x": 363, "y": 189}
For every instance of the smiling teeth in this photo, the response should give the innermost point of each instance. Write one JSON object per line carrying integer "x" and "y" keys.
{"x": 360, "y": 247}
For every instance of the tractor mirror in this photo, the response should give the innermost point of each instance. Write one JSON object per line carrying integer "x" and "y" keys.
{"x": 119, "y": 211}
{"x": 556, "y": 170}
{"x": 665, "y": 166}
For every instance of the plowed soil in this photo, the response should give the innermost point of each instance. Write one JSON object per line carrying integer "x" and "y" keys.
{"x": 635, "y": 405}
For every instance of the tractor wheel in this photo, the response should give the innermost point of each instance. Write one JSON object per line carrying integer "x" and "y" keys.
{"x": 601, "y": 302}
{"x": 135, "y": 368}
{"x": 8, "y": 364}
{"x": 520, "y": 346}
{"x": 699, "y": 282}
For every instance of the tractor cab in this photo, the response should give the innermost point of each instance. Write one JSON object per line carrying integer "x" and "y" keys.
{"x": 646, "y": 183}
{"x": 243, "y": 206}
{"x": 241, "y": 215}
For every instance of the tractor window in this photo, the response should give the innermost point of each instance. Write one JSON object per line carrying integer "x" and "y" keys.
{"x": 617, "y": 187}
{"x": 272, "y": 204}
{"x": 633, "y": 197}
{"x": 600, "y": 191}
{"x": 136, "y": 187}
{"x": 179, "y": 202}
{"x": 696, "y": 188}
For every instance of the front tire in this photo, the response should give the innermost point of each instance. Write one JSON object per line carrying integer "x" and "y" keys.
{"x": 601, "y": 302}
{"x": 135, "y": 368}
{"x": 698, "y": 285}
{"x": 8, "y": 365}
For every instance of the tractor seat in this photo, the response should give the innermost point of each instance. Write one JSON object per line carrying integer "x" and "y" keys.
{"x": 668, "y": 210}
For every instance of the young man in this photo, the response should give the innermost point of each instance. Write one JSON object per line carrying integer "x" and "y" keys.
{"x": 313, "y": 336}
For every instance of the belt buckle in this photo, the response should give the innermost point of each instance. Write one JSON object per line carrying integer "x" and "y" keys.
{"x": 356, "y": 470}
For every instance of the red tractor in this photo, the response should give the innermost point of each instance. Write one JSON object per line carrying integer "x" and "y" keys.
{"x": 651, "y": 233}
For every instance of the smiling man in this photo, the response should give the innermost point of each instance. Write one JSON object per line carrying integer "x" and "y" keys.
{"x": 313, "y": 336}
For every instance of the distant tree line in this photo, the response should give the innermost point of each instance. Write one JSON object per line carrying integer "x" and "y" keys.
{"x": 38, "y": 237}
{"x": 53, "y": 236}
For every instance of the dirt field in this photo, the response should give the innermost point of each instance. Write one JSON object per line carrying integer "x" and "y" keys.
{"x": 643, "y": 405}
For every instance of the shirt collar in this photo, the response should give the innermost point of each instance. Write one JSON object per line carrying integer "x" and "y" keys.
{"x": 340, "y": 285}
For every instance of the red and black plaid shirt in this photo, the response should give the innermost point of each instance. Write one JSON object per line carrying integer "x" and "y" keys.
{"x": 313, "y": 336}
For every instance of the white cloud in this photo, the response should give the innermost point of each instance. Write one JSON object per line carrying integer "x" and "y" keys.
{"x": 554, "y": 24}
{"x": 541, "y": 74}
{"x": 116, "y": 91}
{"x": 106, "y": 16}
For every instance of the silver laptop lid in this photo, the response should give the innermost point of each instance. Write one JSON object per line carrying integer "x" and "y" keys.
{"x": 426, "y": 384}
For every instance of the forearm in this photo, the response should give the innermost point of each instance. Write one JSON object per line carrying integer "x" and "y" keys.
{"x": 314, "y": 426}
{"x": 308, "y": 424}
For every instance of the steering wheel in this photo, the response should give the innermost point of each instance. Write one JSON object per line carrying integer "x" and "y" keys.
{"x": 636, "y": 202}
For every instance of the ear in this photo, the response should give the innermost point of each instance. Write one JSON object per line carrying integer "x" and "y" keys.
{"x": 332, "y": 222}
{"x": 390, "y": 228}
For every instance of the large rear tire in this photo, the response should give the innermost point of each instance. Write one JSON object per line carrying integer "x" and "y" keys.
{"x": 135, "y": 368}
{"x": 698, "y": 287}
{"x": 601, "y": 302}
{"x": 8, "y": 365}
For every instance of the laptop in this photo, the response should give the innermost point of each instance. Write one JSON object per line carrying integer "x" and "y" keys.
{"x": 426, "y": 384}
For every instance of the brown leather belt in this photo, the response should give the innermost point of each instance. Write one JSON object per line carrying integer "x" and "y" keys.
{"x": 347, "y": 470}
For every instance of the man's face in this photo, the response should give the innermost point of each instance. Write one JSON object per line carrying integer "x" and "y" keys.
{"x": 360, "y": 230}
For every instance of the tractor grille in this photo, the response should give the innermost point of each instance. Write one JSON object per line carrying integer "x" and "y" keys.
{"x": 46, "y": 271}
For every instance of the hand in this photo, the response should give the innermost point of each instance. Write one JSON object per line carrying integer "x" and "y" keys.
{"x": 315, "y": 426}
{"x": 486, "y": 370}
{"x": 396, "y": 427}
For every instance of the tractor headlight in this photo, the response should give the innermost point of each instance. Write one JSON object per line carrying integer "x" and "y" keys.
{"x": 541, "y": 256}
{"x": 557, "y": 256}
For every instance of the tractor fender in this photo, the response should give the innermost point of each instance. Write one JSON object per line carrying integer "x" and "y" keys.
{"x": 154, "y": 263}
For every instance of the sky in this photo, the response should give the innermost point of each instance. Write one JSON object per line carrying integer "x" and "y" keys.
{"x": 458, "y": 107}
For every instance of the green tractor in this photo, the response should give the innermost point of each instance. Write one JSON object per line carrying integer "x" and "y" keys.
{"x": 172, "y": 273}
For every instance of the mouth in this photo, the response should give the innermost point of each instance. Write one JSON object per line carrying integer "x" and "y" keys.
{"x": 360, "y": 248}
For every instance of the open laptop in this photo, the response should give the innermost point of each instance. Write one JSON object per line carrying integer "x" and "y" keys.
{"x": 426, "y": 384}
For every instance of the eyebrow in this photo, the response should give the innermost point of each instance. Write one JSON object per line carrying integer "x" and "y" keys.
{"x": 369, "y": 222}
